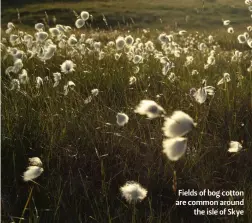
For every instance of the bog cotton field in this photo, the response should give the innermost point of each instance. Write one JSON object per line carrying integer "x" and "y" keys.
{"x": 114, "y": 123}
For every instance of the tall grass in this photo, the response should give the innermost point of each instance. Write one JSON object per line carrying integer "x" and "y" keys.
{"x": 87, "y": 156}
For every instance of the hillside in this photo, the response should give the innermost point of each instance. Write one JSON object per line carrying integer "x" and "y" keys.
{"x": 151, "y": 13}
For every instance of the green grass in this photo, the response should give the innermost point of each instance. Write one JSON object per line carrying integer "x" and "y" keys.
{"x": 78, "y": 185}
{"x": 143, "y": 13}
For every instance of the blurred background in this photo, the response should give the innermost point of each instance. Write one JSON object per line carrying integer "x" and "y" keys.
{"x": 186, "y": 14}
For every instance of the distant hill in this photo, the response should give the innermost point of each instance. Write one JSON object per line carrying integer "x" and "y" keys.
{"x": 135, "y": 13}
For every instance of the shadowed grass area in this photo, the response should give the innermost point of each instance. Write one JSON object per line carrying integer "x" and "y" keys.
{"x": 189, "y": 14}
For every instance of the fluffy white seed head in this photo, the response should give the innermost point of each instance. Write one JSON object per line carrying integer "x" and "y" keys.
{"x": 230, "y": 30}
{"x": 132, "y": 80}
{"x": 72, "y": 41}
{"x": 129, "y": 40}
{"x": 69, "y": 86}
{"x": 242, "y": 39}
{"x": 32, "y": 173}
{"x": 95, "y": 92}
{"x": 117, "y": 56}
{"x": 174, "y": 148}
{"x": 35, "y": 161}
{"x": 122, "y": 119}
{"x": 84, "y": 15}
{"x": 10, "y": 25}
{"x": 39, "y": 82}
{"x": 226, "y": 22}
{"x": 23, "y": 77}
{"x": 54, "y": 31}
{"x": 178, "y": 124}
{"x": 149, "y": 108}
{"x": 56, "y": 78}
{"x": 67, "y": 67}
{"x": 41, "y": 36}
{"x": 200, "y": 95}
{"x": 15, "y": 85}
{"x": 163, "y": 38}
{"x": 234, "y": 147}
{"x": 137, "y": 59}
{"x": 39, "y": 26}
{"x": 226, "y": 78}
{"x": 120, "y": 43}
{"x": 79, "y": 23}
{"x": 133, "y": 192}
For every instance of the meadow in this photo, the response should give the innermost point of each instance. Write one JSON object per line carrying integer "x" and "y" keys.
{"x": 72, "y": 89}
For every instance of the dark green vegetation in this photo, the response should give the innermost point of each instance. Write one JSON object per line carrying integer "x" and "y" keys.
{"x": 186, "y": 14}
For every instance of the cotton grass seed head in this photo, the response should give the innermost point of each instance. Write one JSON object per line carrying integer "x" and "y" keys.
{"x": 132, "y": 80}
{"x": 39, "y": 26}
{"x": 41, "y": 36}
{"x": 95, "y": 92}
{"x": 35, "y": 161}
{"x": 137, "y": 59}
{"x": 149, "y": 108}
{"x": 230, "y": 30}
{"x": 234, "y": 147}
{"x": 84, "y": 15}
{"x": 15, "y": 85}
{"x": 23, "y": 77}
{"x": 56, "y": 78}
{"x": 133, "y": 192}
{"x": 129, "y": 40}
{"x": 72, "y": 41}
{"x": 39, "y": 82}
{"x": 34, "y": 170}
{"x": 32, "y": 173}
{"x": 69, "y": 86}
{"x": 10, "y": 25}
{"x": 67, "y": 67}
{"x": 200, "y": 95}
{"x": 242, "y": 39}
{"x": 226, "y": 78}
{"x": 79, "y": 23}
{"x": 122, "y": 119}
{"x": 120, "y": 43}
{"x": 163, "y": 38}
{"x": 178, "y": 124}
{"x": 54, "y": 31}
{"x": 226, "y": 22}
{"x": 174, "y": 148}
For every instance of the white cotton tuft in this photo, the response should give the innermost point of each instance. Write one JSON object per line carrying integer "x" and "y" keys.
{"x": 32, "y": 173}
{"x": 200, "y": 95}
{"x": 234, "y": 147}
{"x": 122, "y": 119}
{"x": 35, "y": 161}
{"x": 79, "y": 23}
{"x": 226, "y": 22}
{"x": 120, "y": 43}
{"x": 95, "y": 92}
{"x": 39, "y": 82}
{"x": 178, "y": 124}
{"x": 39, "y": 26}
{"x": 149, "y": 108}
{"x": 132, "y": 80}
{"x": 133, "y": 192}
{"x": 67, "y": 67}
{"x": 15, "y": 85}
{"x": 174, "y": 148}
{"x": 84, "y": 15}
{"x": 23, "y": 77}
